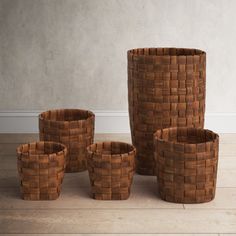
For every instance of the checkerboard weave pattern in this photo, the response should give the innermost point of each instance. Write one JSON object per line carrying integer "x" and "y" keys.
{"x": 72, "y": 127}
{"x": 166, "y": 88}
{"x": 186, "y": 162}
{"x": 41, "y": 167}
{"x": 111, "y": 169}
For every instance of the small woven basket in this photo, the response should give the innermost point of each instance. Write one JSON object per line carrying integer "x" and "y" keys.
{"x": 166, "y": 88}
{"x": 72, "y": 127}
{"x": 41, "y": 167}
{"x": 111, "y": 169}
{"x": 186, "y": 161}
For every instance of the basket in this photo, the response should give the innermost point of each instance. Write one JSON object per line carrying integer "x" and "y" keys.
{"x": 111, "y": 169}
{"x": 166, "y": 88}
{"x": 41, "y": 167}
{"x": 186, "y": 161}
{"x": 72, "y": 127}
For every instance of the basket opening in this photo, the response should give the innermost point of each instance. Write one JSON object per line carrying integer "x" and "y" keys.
{"x": 66, "y": 115}
{"x": 166, "y": 51}
{"x": 111, "y": 148}
{"x": 186, "y": 135}
{"x": 40, "y": 148}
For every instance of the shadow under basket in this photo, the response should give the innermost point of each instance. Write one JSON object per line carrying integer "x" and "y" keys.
{"x": 186, "y": 162}
{"x": 72, "y": 127}
{"x": 111, "y": 167}
{"x": 41, "y": 167}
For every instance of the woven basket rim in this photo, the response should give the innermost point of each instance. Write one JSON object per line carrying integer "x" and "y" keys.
{"x": 216, "y": 136}
{"x": 90, "y": 115}
{"x": 198, "y": 52}
{"x": 133, "y": 151}
{"x": 64, "y": 148}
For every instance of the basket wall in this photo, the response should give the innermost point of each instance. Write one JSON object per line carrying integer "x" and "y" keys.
{"x": 72, "y": 127}
{"x": 187, "y": 160}
{"x": 166, "y": 88}
{"x": 111, "y": 169}
{"x": 41, "y": 167}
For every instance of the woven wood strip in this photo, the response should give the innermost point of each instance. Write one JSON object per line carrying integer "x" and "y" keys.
{"x": 72, "y": 127}
{"x": 166, "y": 88}
{"x": 186, "y": 161}
{"x": 111, "y": 169}
{"x": 41, "y": 167}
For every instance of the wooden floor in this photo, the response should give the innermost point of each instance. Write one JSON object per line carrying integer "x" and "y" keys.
{"x": 144, "y": 213}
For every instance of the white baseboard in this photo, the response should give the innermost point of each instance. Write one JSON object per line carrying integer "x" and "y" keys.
{"x": 27, "y": 121}
{"x": 106, "y": 122}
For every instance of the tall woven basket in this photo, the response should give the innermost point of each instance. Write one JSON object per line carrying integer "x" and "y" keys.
{"x": 166, "y": 88}
{"x": 72, "y": 127}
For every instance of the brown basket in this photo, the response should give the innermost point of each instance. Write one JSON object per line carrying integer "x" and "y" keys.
{"x": 186, "y": 161}
{"x": 41, "y": 167}
{"x": 166, "y": 88}
{"x": 72, "y": 127}
{"x": 111, "y": 169}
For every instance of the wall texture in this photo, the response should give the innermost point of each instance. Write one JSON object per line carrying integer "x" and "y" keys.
{"x": 72, "y": 53}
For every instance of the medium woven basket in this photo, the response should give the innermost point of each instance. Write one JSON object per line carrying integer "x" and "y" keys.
{"x": 111, "y": 169}
{"x": 186, "y": 161}
{"x": 41, "y": 167}
{"x": 166, "y": 88}
{"x": 72, "y": 127}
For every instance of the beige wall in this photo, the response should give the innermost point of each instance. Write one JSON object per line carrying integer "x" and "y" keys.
{"x": 72, "y": 53}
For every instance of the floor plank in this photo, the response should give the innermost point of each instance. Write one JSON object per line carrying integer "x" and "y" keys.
{"x": 226, "y": 178}
{"x": 225, "y": 198}
{"x": 227, "y": 163}
{"x": 120, "y": 234}
{"x": 228, "y": 138}
{"x": 143, "y": 212}
{"x": 9, "y": 179}
{"x": 142, "y": 197}
{"x": 227, "y": 234}
{"x": 119, "y": 221}
{"x": 225, "y": 149}
{"x": 76, "y": 193}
